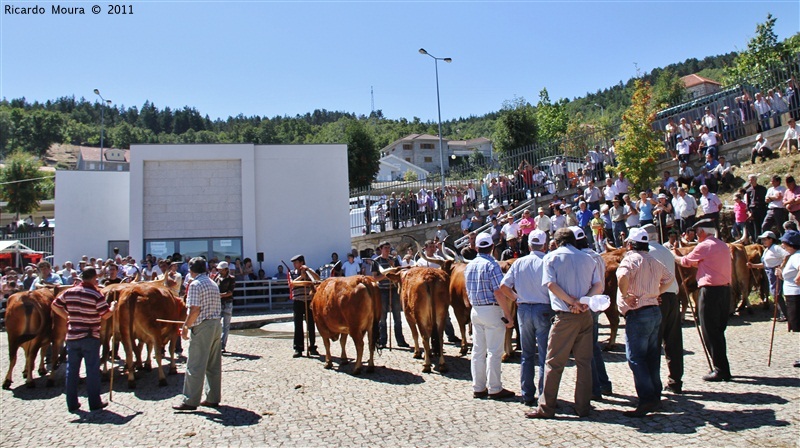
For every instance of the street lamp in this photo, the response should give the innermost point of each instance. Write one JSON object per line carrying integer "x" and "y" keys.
{"x": 102, "y": 124}
{"x": 439, "y": 108}
{"x": 602, "y": 111}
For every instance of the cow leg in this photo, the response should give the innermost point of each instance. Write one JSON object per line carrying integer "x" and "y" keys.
{"x": 371, "y": 330}
{"x": 612, "y": 313}
{"x": 426, "y": 342}
{"x": 173, "y": 369}
{"x": 358, "y": 340}
{"x": 343, "y": 360}
{"x": 441, "y": 366}
{"x": 326, "y": 341}
{"x": 462, "y": 327}
{"x": 42, "y": 364}
{"x": 127, "y": 345}
{"x": 12, "y": 358}
{"x": 31, "y": 351}
{"x": 146, "y": 364}
{"x": 508, "y": 347}
{"x": 414, "y": 334}
{"x": 157, "y": 346}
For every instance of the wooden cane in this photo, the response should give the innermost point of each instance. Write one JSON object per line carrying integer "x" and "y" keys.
{"x": 390, "y": 317}
{"x": 113, "y": 362}
{"x": 308, "y": 323}
{"x": 774, "y": 321}
{"x": 696, "y": 324}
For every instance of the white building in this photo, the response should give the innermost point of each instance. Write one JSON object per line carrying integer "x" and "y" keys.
{"x": 213, "y": 200}
{"x": 392, "y": 168}
{"x": 422, "y": 150}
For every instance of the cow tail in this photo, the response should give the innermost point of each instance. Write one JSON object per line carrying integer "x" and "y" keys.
{"x": 133, "y": 297}
{"x": 435, "y": 326}
{"x": 376, "y": 314}
{"x": 27, "y": 334}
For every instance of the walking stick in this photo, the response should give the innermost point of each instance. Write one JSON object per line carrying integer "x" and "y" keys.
{"x": 774, "y": 320}
{"x": 696, "y": 324}
{"x": 308, "y": 323}
{"x": 114, "y": 362}
{"x": 389, "y": 325}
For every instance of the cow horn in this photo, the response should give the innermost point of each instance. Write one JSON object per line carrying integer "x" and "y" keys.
{"x": 609, "y": 247}
{"x": 743, "y": 239}
{"x": 456, "y": 256}
{"x": 388, "y": 270}
{"x": 429, "y": 260}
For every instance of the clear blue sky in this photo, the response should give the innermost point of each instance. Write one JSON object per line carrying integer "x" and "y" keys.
{"x": 287, "y": 58}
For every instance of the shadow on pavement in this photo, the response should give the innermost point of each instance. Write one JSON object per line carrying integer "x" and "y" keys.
{"x": 230, "y": 416}
{"x": 147, "y": 387}
{"x": 240, "y": 356}
{"x": 387, "y": 375}
{"x": 105, "y": 417}
{"x": 40, "y": 392}
{"x": 767, "y": 381}
{"x": 684, "y": 414}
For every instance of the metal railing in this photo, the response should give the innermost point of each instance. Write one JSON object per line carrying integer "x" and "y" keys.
{"x": 261, "y": 294}
{"x": 38, "y": 240}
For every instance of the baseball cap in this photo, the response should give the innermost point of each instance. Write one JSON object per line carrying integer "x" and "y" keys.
{"x": 484, "y": 240}
{"x": 595, "y": 212}
{"x": 578, "y": 232}
{"x": 511, "y": 237}
{"x": 537, "y": 238}
{"x": 639, "y": 235}
{"x": 651, "y": 230}
{"x": 768, "y": 234}
{"x": 222, "y": 265}
{"x": 791, "y": 237}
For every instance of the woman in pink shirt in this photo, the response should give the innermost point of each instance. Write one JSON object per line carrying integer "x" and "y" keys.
{"x": 791, "y": 197}
{"x": 739, "y": 215}
{"x": 526, "y": 226}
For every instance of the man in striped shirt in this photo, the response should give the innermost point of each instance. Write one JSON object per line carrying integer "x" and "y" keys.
{"x": 84, "y": 308}
{"x": 638, "y": 301}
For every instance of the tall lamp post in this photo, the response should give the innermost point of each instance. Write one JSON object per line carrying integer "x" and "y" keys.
{"x": 439, "y": 108}
{"x": 602, "y": 111}
{"x": 103, "y": 105}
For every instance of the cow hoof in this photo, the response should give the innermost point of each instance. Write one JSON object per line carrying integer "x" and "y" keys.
{"x": 162, "y": 382}
{"x": 49, "y": 383}
{"x": 42, "y": 372}
{"x": 147, "y": 368}
{"x": 345, "y": 362}
{"x": 608, "y": 347}
{"x": 442, "y": 368}
{"x": 328, "y": 365}
{"x": 417, "y": 355}
{"x": 426, "y": 369}
{"x": 357, "y": 371}
{"x": 173, "y": 371}
{"x": 463, "y": 351}
{"x": 131, "y": 384}
{"x": 24, "y": 374}
{"x": 7, "y": 384}
{"x": 370, "y": 369}
{"x": 30, "y": 385}
{"x": 506, "y": 357}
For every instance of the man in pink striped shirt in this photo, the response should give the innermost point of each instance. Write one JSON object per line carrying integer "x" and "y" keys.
{"x": 712, "y": 258}
{"x": 638, "y": 300}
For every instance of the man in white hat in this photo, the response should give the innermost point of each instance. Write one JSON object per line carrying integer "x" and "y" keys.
{"x": 637, "y": 300}
{"x": 523, "y": 283}
{"x": 760, "y": 149}
{"x": 490, "y": 316}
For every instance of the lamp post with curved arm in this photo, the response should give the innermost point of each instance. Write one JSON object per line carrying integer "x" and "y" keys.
{"x": 439, "y": 109}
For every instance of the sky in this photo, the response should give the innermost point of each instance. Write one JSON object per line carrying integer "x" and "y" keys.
{"x": 286, "y": 58}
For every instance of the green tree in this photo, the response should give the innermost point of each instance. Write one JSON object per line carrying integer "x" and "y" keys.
{"x": 22, "y": 186}
{"x": 516, "y": 125}
{"x": 551, "y": 119}
{"x": 410, "y": 176}
{"x": 639, "y": 146}
{"x": 764, "y": 53}
{"x": 668, "y": 89}
{"x": 362, "y": 155}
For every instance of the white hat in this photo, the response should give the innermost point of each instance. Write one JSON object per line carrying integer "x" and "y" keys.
{"x": 651, "y": 230}
{"x": 511, "y": 237}
{"x": 537, "y": 238}
{"x": 638, "y": 235}
{"x": 484, "y": 240}
{"x": 768, "y": 234}
{"x": 578, "y": 232}
{"x": 758, "y": 137}
{"x": 222, "y": 265}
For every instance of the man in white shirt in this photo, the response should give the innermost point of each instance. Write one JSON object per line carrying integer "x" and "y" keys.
{"x": 350, "y": 267}
{"x": 592, "y": 196}
{"x": 709, "y": 141}
{"x": 709, "y": 120}
{"x": 470, "y": 197}
{"x": 776, "y": 211}
{"x": 510, "y": 228}
{"x": 687, "y": 206}
{"x": 724, "y": 173}
{"x": 465, "y": 223}
{"x": 631, "y": 213}
{"x": 710, "y": 204}
{"x": 557, "y": 173}
{"x": 609, "y": 191}
{"x": 761, "y": 149}
{"x": 622, "y": 184}
{"x": 763, "y": 110}
{"x": 542, "y": 221}
{"x": 441, "y": 233}
{"x": 683, "y": 147}
{"x": 685, "y": 174}
{"x": 790, "y": 137}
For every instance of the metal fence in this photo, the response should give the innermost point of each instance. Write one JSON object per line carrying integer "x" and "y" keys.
{"x": 261, "y": 294}
{"x": 38, "y": 240}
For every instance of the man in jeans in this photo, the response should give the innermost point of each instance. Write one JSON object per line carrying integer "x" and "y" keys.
{"x": 533, "y": 312}
{"x": 226, "y": 283}
{"x": 641, "y": 280}
{"x": 84, "y": 308}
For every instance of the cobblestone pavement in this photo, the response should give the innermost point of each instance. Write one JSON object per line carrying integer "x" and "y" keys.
{"x": 270, "y": 399}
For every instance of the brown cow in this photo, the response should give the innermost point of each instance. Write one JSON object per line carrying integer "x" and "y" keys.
{"x": 612, "y": 257}
{"x": 345, "y": 306}
{"x": 30, "y": 324}
{"x": 139, "y": 307}
{"x": 426, "y": 301}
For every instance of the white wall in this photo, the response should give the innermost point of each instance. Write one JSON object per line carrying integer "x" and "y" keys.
{"x": 301, "y": 195}
{"x": 92, "y": 208}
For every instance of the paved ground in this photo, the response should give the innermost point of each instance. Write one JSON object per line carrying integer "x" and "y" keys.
{"x": 271, "y": 399}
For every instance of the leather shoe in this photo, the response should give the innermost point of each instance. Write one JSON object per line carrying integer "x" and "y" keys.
{"x": 597, "y": 398}
{"x": 75, "y": 409}
{"x": 642, "y": 410}
{"x": 209, "y": 404}
{"x": 715, "y": 376}
{"x": 482, "y": 394}
{"x": 797, "y": 363}
{"x": 297, "y": 354}
{"x": 504, "y": 393}
{"x": 314, "y": 352}
{"x": 536, "y": 414}
{"x": 103, "y": 404}
{"x": 184, "y": 407}
{"x": 403, "y": 344}
{"x": 674, "y": 388}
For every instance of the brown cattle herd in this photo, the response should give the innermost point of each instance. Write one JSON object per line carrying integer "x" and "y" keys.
{"x": 342, "y": 307}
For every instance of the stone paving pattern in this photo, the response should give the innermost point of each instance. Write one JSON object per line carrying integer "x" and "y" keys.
{"x": 270, "y": 399}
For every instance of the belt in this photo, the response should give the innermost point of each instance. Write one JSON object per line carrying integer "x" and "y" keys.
{"x": 489, "y": 304}
{"x": 639, "y": 309}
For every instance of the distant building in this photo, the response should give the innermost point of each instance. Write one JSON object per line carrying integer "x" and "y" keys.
{"x": 394, "y": 168}
{"x": 697, "y": 86}
{"x": 115, "y": 159}
{"x": 422, "y": 150}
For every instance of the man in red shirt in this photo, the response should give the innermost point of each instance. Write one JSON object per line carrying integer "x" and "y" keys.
{"x": 712, "y": 258}
{"x": 84, "y": 308}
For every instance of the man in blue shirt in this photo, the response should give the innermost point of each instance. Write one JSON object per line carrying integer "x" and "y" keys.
{"x": 490, "y": 317}
{"x": 569, "y": 274}
{"x": 523, "y": 283}
{"x": 46, "y": 277}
